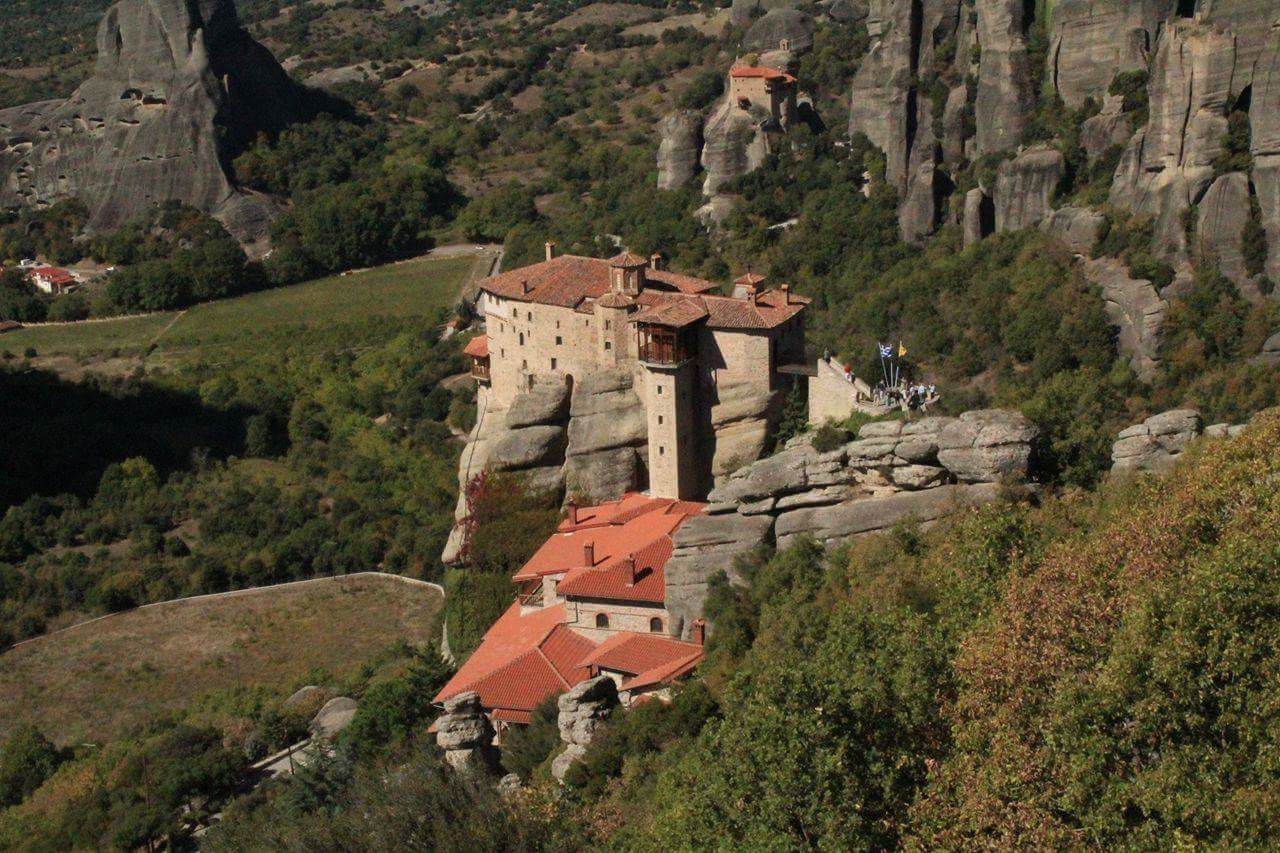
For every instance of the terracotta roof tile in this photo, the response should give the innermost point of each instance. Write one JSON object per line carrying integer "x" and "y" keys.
{"x": 627, "y": 260}
{"x": 477, "y": 347}
{"x": 762, "y": 71}
{"x": 647, "y": 658}
{"x": 615, "y": 581}
{"x": 674, "y": 312}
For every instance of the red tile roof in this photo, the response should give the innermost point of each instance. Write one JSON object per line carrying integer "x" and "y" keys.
{"x": 53, "y": 275}
{"x": 762, "y": 311}
{"x": 675, "y": 313}
{"x": 523, "y": 659}
{"x": 616, "y": 580}
{"x": 647, "y": 658}
{"x": 614, "y": 530}
{"x": 761, "y": 71}
{"x": 566, "y": 280}
{"x": 477, "y": 347}
{"x": 627, "y": 260}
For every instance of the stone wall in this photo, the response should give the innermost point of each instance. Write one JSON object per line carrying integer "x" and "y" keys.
{"x": 581, "y": 616}
{"x": 921, "y": 469}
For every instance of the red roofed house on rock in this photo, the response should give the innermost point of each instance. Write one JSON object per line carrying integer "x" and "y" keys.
{"x": 768, "y": 90}
{"x": 570, "y": 316}
{"x": 591, "y": 602}
{"x": 51, "y": 280}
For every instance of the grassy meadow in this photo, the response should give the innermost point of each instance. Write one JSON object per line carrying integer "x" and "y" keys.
{"x": 357, "y": 309}
{"x": 98, "y": 682}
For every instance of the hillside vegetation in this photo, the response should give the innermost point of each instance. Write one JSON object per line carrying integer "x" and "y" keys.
{"x": 1091, "y": 670}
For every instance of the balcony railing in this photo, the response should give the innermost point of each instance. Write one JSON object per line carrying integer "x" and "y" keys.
{"x": 480, "y": 370}
{"x": 658, "y": 348}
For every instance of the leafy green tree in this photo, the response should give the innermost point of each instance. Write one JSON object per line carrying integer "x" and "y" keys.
{"x": 27, "y": 759}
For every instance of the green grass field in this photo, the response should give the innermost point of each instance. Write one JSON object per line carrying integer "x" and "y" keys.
{"x": 100, "y": 681}
{"x": 333, "y": 311}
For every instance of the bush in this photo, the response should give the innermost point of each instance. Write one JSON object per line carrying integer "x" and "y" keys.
{"x": 524, "y": 748}
{"x": 27, "y": 758}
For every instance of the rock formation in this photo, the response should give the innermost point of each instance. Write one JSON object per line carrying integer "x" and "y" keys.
{"x": 1220, "y": 228}
{"x": 680, "y": 148}
{"x": 334, "y": 716}
{"x": 1090, "y": 42}
{"x": 178, "y": 85}
{"x": 608, "y": 437}
{"x": 1156, "y": 443}
{"x": 466, "y": 736}
{"x": 734, "y": 143}
{"x": 583, "y": 709}
{"x": 1110, "y": 128}
{"x": 1270, "y": 354}
{"x": 1264, "y": 143}
{"x": 778, "y": 26}
{"x": 1024, "y": 188}
{"x": 1005, "y": 80}
{"x": 893, "y": 470}
{"x": 1135, "y": 309}
{"x": 1076, "y": 227}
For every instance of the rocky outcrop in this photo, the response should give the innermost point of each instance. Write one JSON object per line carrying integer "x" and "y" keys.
{"x": 742, "y": 420}
{"x": 986, "y": 446}
{"x": 743, "y": 12}
{"x": 1005, "y": 82}
{"x": 544, "y": 403}
{"x": 1091, "y": 41}
{"x": 1169, "y": 164}
{"x": 1025, "y": 187}
{"x": 178, "y": 87}
{"x": 1076, "y": 227}
{"x": 1264, "y": 143}
{"x": 734, "y": 143}
{"x": 1156, "y": 443}
{"x": 608, "y": 437}
{"x": 1109, "y": 129}
{"x": 582, "y": 710}
{"x": 680, "y": 148}
{"x": 881, "y": 103}
{"x": 778, "y": 26}
{"x": 1223, "y": 214}
{"x": 1135, "y": 309}
{"x": 466, "y": 736}
{"x": 893, "y": 470}
{"x": 836, "y": 523}
{"x": 490, "y": 423}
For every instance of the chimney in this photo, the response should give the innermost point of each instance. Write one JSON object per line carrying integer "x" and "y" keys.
{"x": 786, "y": 293}
{"x": 571, "y": 509}
{"x": 550, "y": 247}
{"x": 655, "y": 261}
{"x": 589, "y": 554}
{"x": 632, "y": 574}
{"x": 700, "y": 632}
{"x": 524, "y": 285}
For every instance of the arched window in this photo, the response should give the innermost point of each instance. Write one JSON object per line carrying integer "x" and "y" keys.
{"x": 602, "y": 620}
{"x": 655, "y": 625}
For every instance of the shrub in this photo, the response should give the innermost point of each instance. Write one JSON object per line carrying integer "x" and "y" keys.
{"x": 524, "y": 748}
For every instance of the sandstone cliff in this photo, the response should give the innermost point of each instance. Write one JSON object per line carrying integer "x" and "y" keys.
{"x": 177, "y": 86}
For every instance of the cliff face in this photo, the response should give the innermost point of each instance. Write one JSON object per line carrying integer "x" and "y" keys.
{"x": 177, "y": 86}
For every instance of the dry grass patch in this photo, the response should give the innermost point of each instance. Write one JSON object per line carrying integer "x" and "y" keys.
{"x": 98, "y": 682}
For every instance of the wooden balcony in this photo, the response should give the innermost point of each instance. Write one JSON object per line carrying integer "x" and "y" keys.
{"x": 480, "y": 369}
{"x": 658, "y": 345}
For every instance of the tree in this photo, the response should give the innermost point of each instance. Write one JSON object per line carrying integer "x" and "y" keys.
{"x": 27, "y": 759}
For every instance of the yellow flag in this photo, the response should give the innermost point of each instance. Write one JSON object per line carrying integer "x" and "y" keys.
{"x": 902, "y": 350}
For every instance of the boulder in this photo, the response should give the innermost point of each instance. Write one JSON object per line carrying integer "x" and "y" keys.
{"x": 1076, "y": 227}
{"x": 603, "y": 474}
{"x": 1270, "y": 353}
{"x": 1155, "y": 444}
{"x": 705, "y": 545}
{"x": 796, "y": 469}
{"x": 608, "y": 436}
{"x": 178, "y": 89}
{"x": 913, "y": 477}
{"x": 778, "y": 26}
{"x": 1135, "y": 309}
{"x": 1005, "y": 81}
{"x": 518, "y": 449}
{"x": 333, "y": 716}
{"x": 742, "y": 421}
{"x": 833, "y": 524}
{"x": 582, "y": 711}
{"x": 680, "y": 148}
{"x": 544, "y": 403}
{"x": 733, "y": 144}
{"x": 743, "y": 12}
{"x": 466, "y": 736}
{"x": 987, "y": 445}
{"x": 845, "y": 11}
{"x": 1025, "y": 186}
{"x": 303, "y": 697}
{"x": 881, "y": 97}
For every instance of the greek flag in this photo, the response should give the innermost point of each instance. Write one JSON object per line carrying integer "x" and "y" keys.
{"x": 886, "y": 350}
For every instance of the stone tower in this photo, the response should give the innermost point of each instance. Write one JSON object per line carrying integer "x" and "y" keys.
{"x": 673, "y": 444}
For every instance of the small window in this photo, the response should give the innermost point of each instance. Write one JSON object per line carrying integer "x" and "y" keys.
{"x": 553, "y": 364}
{"x": 522, "y": 339}
{"x": 602, "y": 620}
{"x": 655, "y": 625}
{"x": 659, "y": 389}
{"x": 529, "y": 315}
{"x": 559, "y": 340}
{"x": 524, "y": 364}
{"x": 502, "y": 353}
{"x": 659, "y": 420}
{"x": 661, "y": 450}
{"x": 606, "y": 325}
{"x": 557, "y": 326}
{"x": 608, "y": 345}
